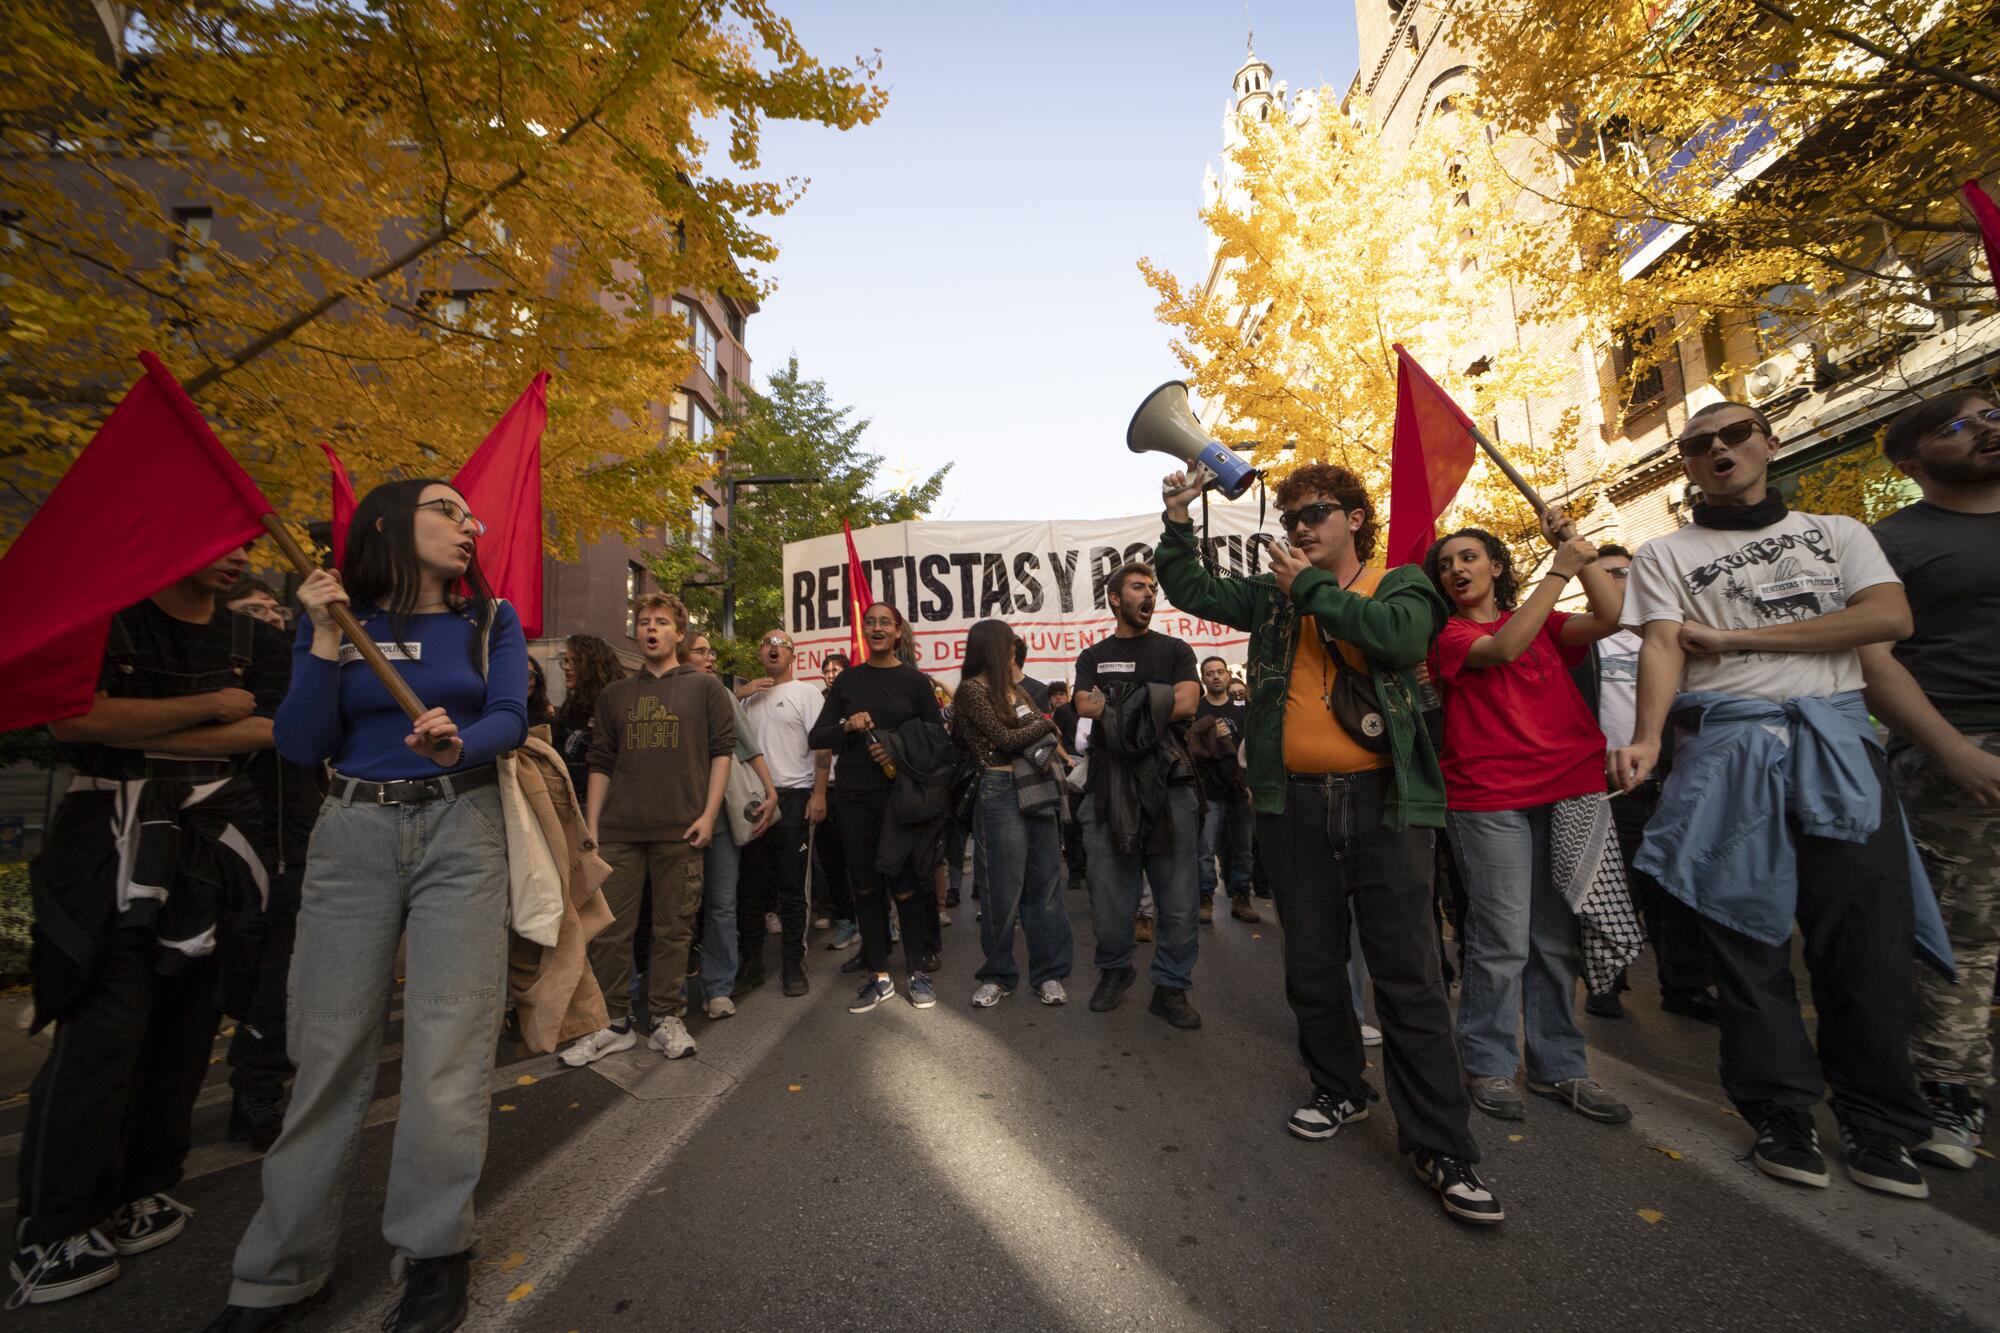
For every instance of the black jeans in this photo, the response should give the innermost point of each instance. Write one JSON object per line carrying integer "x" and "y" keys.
{"x": 1680, "y": 946}
{"x": 1855, "y": 915}
{"x": 258, "y": 1064}
{"x": 831, "y": 886}
{"x": 109, "y": 1114}
{"x": 774, "y": 871}
{"x": 858, "y": 821}
{"x": 1330, "y": 855}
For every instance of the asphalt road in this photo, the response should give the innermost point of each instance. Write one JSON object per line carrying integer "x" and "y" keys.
{"x": 1027, "y": 1168}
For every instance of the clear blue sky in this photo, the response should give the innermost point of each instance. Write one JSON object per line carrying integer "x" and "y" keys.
{"x": 963, "y": 271}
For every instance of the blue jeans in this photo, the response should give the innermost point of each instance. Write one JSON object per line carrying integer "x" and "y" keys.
{"x": 1523, "y": 950}
{"x": 1114, "y": 893}
{"x": 1225, "y": 830}
{"x": 438, "y": 872}
{"x": 720, "y": 862}
{"x": 1018, "y": 866}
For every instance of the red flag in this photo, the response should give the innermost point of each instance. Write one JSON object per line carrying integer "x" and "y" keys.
{"x": 1433, "y": 452}
{"x": 1988, "y": 214}
{"x": 343, "y": 503}
{"x": 502, "y": 483}
{"x": 859, "y": 598}
{"x": 152, "y": 498}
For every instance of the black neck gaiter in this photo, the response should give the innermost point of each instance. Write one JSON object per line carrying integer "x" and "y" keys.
{"x": 1738, "y": 517}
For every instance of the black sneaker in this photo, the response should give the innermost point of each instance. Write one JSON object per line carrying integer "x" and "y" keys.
{"x": 1322, "y": 1117}
{"x": 433, "y": 1299}
{"x": 1604, "y": 1005}
{"x": 1171, "y": 1004}
{"x": 795, "y": 979}
{"x": 1696, "y": 1004}
{"x": 1878, "y": 1162}
{"x": 854, "y": 964}
{"x": 1957, "y": 1124}
{"x": 266, "y": 1318}
{"x": 1788, "y": 1148}
{"x": 1458, "y": 1187}
{"x": 256, "y": 1120}
{"x": 61, "y": 1269}
{"x": 1112, "y": 983}
{"x": 147, "y": 1223}
{"x": 749, "y": 976}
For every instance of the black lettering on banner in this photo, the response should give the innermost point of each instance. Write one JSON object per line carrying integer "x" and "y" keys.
{"x": 932, "y": 567}
{"x": 804, "y": 615}
{"x": 1029, "y": 599}
{"x": 967, "y": 561}
{"x": 910, "y": 582}
{"x": 1103, "y": 559}
{"x": 1259, "y": 544}
{"x": 1140, "y": 551}
{"x": 1062, "y": 568}
{"x": 832, "y": 605}
{"x": 995, "y": 594}
{"x": 888, "y": 567}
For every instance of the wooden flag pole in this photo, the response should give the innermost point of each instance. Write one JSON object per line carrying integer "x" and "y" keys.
{"x": 399, "y": 689}
{"x": 1511, "y": 472}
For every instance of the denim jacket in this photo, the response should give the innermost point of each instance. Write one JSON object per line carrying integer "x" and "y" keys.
{"x": 1721, "y": 841}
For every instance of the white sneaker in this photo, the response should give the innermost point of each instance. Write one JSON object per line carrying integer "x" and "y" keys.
{"x": 944, "y": 917}
{"x": 670, "y": 1038}
{"x": 823, "y": 923}
{"x": 720, "y": 1007}
{"x": 773, "y": 926}
{"x": 1370, "y": 1036}
{"x": 590, "y": 1049}
{"x": 989, "y": 994}
{"x": 1052, "y": 992}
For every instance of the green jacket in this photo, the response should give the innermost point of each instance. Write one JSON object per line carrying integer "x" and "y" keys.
{"x": 1394, "y": 630}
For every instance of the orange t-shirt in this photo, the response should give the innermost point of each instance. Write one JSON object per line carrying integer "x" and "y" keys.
{"x": 1315, "y": 742}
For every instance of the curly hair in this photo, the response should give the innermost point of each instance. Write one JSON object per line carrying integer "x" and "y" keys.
{"x": 1343, "y": 488}
{"x": 597, "y": 665}
{"x": 1505, "y": 586}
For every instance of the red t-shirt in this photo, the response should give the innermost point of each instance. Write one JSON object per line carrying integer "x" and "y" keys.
{"x": 1517, "y": 735}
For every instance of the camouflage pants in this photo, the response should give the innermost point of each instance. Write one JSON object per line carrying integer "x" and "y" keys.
{"x": 1960, "y": 842}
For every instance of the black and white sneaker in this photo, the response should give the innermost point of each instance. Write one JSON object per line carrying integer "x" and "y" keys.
{"x": 1322, "y": 1117}
{"x": 61, "y": 1269}
{"x": 1956, "y": 1125}
{"x": 1458, "y": 1187}
{"x": 1878, "y": 1162}
{"x": 1788, "y": 1148}
{"x": 144, "y": 1224}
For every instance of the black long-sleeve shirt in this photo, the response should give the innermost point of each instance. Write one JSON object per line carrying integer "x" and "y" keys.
{"x": 889, "y": 695}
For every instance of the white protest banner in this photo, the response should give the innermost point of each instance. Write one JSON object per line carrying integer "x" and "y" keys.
{"x": 1045, "y": 578}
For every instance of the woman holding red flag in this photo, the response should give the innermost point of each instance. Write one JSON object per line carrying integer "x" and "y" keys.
{"x": 410, "y": 842}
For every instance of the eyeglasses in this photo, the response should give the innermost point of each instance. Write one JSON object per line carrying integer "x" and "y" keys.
{"x": 775, "y": 642}
{"x": 701, "y": 652}
{"x": 1311, "y": 515}
{"x": 1698, "y": 444}
{"x": 1965, "y": 427}
{"x": 456, "y": 513}
{"x": 1620, "y": 572}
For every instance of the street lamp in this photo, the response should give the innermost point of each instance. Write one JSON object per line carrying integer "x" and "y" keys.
{"x": 729, "y": 485}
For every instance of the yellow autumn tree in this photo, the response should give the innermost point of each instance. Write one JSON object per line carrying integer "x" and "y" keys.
{"x": 1786, "y": 171}
{"x": 1333, "y": 247}
{"x": 373, "y": 223}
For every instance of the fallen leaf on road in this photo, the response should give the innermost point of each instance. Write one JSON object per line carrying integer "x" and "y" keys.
{"x": 215, "y": 1059}
{"x": 1730, "y": 1110}
{"x": 526, "y": 1080}
{"x": 520, "y": 1291}
{"x": 506, "y": 1106}
{"x": 1651, "y": 1215}
{"x": 513, "y": 1261}
{"x": 1668, "y": 1153}
{"x": 795, "y": 1087}
{"x": 1514, "y": 1138}
{"x": 1983, "y": 1153}
{"x": 574, "y": 1105}
{"x": 1256, "y": 937}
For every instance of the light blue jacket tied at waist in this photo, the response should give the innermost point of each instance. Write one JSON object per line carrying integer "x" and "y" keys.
{"x": 1721, "y": 841}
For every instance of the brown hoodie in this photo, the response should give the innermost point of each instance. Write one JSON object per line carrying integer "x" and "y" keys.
{"x": 655, "y": 737}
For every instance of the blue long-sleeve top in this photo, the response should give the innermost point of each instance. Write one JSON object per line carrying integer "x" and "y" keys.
{"x": 1721, "y": 841}
{"x": 340, "y": 711}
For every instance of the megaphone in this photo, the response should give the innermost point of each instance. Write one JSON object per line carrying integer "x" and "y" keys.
{"x": 1165, "y": 424}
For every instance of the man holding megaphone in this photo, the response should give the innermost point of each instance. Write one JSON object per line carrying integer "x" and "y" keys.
{"x": 1347, "y": 789}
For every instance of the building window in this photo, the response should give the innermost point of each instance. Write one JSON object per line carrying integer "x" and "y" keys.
{"x": 1651, "y": 385}
{"x": 701, "y": 335}
{"x": 464, "y": 309}
{"x": 635, "y": 585}
{"x": 702, "y": 526}
{"x": 687, "y": 419}
{"x": 736, "y": 325}
{"x": 194, "y": 229}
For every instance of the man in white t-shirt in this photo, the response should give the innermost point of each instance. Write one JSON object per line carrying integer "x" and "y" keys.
{"x": 1777, "y": 807}
{"x": 782, "y": 710}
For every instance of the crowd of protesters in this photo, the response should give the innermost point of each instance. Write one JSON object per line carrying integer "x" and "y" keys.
{"x": 1688, "y": 758}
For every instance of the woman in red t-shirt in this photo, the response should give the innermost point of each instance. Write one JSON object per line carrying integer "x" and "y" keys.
{"x": 1519, "y": 739}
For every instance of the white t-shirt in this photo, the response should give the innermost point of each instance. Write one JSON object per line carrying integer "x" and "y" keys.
{"x": 1618, "y": 686}
{"x": 781, "y": 716}
{"x": 1799, "y": 568}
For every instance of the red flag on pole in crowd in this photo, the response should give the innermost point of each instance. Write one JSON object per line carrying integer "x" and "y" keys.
{"x": 151, "y": 499}
{"x": 1988, "y": 215}
{"x": 859, "y": 599}
{"x": 343, "y": 503}
{"x": 502, "y": 484}
{"x": 1435, "y": 443}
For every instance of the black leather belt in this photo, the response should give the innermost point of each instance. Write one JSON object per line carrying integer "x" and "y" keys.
{"x": 412, "y": 791}
{"x": 1335, "y": 779}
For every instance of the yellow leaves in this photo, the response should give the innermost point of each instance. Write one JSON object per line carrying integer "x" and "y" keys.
{"x": 526, "y": 1081}
{"x": 512, "y": 1262}
{"x": 520, "y": 1292}
{"x": 1651, "y": 1216}
{"x": 795, "y": 1087}
{"x": 1668, "y": 1153}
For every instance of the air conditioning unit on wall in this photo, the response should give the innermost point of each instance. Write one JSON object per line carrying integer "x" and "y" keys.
{"x": 1789, "y": 372}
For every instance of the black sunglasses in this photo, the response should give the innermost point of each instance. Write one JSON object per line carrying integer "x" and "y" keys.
{"x": 1698, "y": 444}
{"x": 1311, "y": 515}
